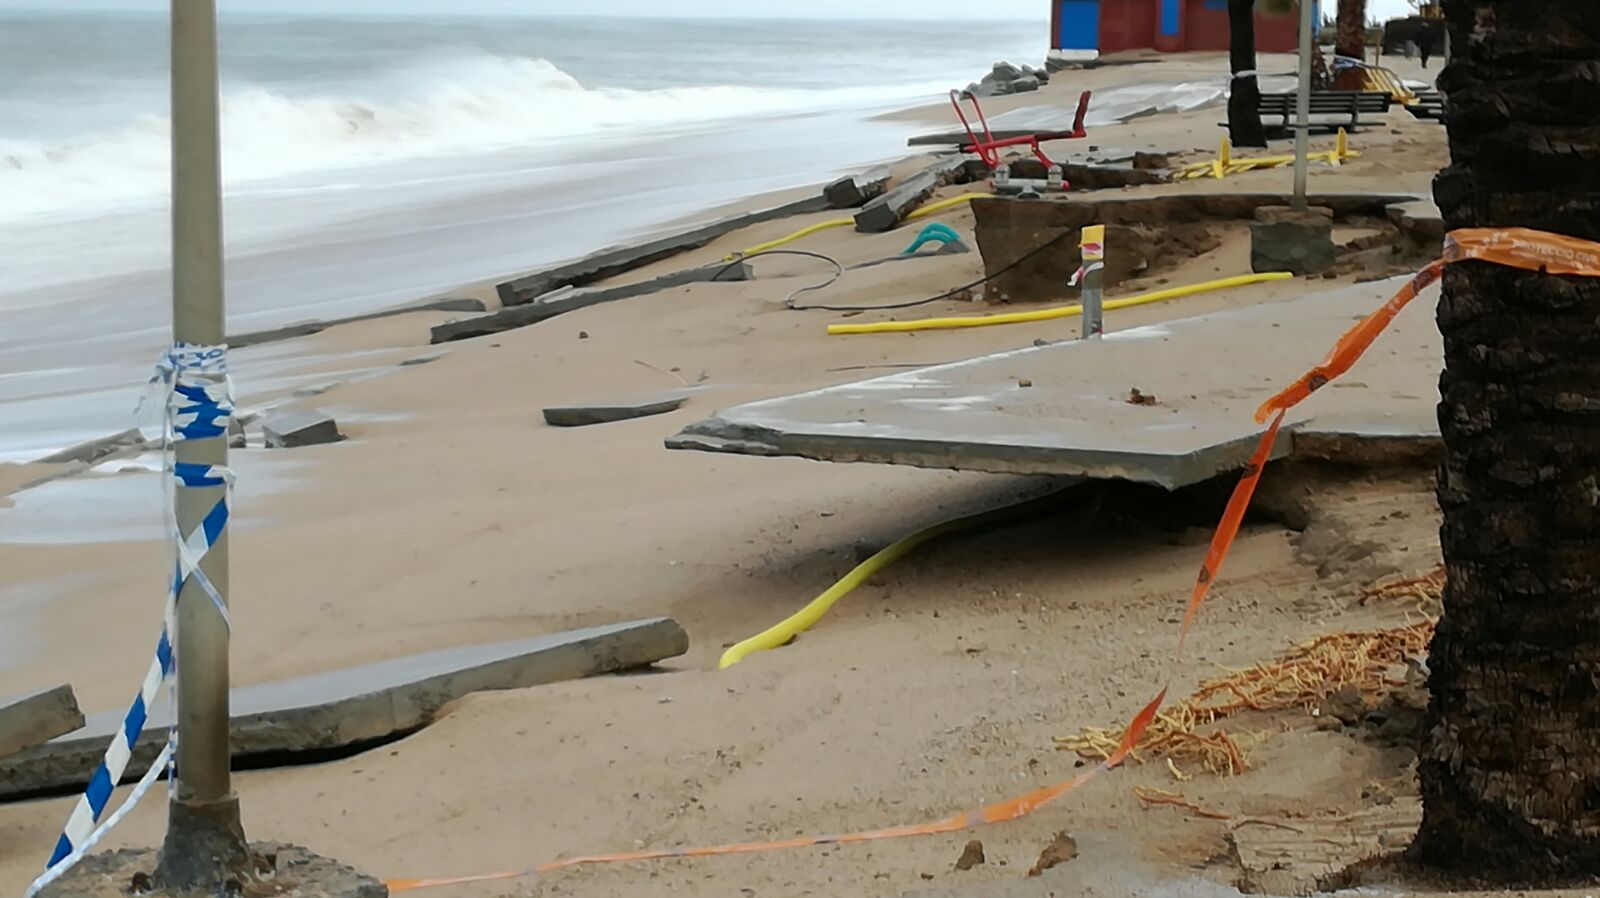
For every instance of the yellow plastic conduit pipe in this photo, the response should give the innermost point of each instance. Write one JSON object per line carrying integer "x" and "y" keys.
{"x": 807, "y": 617}
{"x": 891, "y": 327}
{"x": 807, "y": 231}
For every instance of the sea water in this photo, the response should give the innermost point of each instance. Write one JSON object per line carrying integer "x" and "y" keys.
{"x": 369, "y": 161}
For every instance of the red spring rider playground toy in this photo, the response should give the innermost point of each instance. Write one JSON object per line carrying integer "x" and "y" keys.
{"x": 988, "y": 147}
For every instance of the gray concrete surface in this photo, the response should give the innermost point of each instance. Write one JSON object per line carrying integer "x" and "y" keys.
{"x": 621, "y": 259}
{"x": 295, "y": 871}
{"x": 585, "y": 414}
{"x": 569, "y": 299}
{"x": 307, "y": 328}
{"x": 37, "y": 717}
{"x": 350, "y": 707}
{"x": 1062, "y": 408}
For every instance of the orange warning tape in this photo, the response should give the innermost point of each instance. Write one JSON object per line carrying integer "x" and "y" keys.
{"x": 1522, "y": 248}
{"x": 1514, "y": 247}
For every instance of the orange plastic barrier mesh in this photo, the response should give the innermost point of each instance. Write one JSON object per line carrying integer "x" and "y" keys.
{"x": 1514, "y": 247}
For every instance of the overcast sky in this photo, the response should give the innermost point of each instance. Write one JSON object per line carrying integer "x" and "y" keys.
{"x": 972, "y": 9}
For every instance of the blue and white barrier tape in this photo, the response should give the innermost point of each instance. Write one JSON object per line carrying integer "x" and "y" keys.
{"x": 199, "y": 407}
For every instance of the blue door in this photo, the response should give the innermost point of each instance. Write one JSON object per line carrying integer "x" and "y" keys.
{"x": 1079, "y": 25}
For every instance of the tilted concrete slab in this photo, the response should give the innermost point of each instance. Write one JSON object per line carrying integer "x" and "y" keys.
{"x": 37, "y": 717}
{"x": 617, "y": 260}
{"x": 355, "y": 706}
{"x": 1063, "y": 408}
{"x": 612, "y": 410}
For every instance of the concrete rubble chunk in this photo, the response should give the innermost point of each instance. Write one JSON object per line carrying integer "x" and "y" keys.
{"x": 583, "y": 415}
{"x": 886, "y": 212}
{"x": 355, "y": 706}
{"x": 37, "y": 717}
{"x": 621, "y": 259}
{"x": 1075, "y": 419}
{"x": 856, "y": 190}
{"x": 1025, "y": 84}
{"x": 1421, "y": 226}
{"x": 307, "y": 328}
{"x": 96, "y": 450}
{"x": 292, "y": 430}
{"x": 569, "y": 299}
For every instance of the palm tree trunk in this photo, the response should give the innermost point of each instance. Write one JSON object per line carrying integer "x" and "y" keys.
{"x": 1510, "y": 765}
{"x": 1244, "y": 94}
{"x": 1350, "y": 37}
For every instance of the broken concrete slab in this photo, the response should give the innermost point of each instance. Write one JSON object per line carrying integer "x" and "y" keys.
{"x": 350, "y": 708}
{"x": 857, "y": 190}
{"x": 128, "y": 442}
{"x": 1063, "y": 409}
{"x": 307, "y": 328}
{"x": 585, "y": 414}
{"x": 37, "y": 717}
{"x": 1421, "y": 226}
{"x": 292, "y": 430}
{"x": 568, "y": 299}
{"x": 886, "y": 212}
{"x": 621, "y": 259}
{"x": 1020, "y": 122}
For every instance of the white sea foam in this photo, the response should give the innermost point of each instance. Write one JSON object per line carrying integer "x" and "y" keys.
{"x": 469, "y": 106}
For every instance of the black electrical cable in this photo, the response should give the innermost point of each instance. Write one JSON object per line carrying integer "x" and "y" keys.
{"x": 897, "y": 305}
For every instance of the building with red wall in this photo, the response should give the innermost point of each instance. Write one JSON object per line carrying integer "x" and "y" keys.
{"x": 1085, "y": 29}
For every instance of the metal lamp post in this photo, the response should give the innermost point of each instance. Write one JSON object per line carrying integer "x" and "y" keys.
{"x": 205, "y": 843}
{"x": 1302, "y": 164}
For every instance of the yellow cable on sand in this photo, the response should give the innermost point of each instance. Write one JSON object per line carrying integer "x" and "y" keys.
{"x": 790, "y": 238}
{"x": 807, "y": 231}
{"x": 891, "y": 327}
{"x": 940, "y": 206}
{"x": 807, "y": 617}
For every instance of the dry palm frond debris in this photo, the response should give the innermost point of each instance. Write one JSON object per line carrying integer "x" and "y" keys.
{"x": 1299, "y": 678}
{"x": 1153, "y": 796}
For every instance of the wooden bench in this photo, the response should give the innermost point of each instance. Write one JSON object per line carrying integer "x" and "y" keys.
{"x": 1330, "y": 110}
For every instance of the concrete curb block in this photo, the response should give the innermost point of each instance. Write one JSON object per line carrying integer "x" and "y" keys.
{"x": 570, "y": 299}
{"x": 37, "y": 717}
{"x": 347, "y": 708}
{"x": 622, "y": 259}
{"x": 98, "y": 449}
{"x": 886, "y": 212}
{"x": 306, "y": 329}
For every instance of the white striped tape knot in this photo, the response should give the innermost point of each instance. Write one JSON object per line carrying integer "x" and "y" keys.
{"x": 199, "y": 407}
{"x": 1084, "y": 270}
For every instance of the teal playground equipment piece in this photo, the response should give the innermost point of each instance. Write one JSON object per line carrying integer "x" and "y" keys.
{"x": 940, "y": 233}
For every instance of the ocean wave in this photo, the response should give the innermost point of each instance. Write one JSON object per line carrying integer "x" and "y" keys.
{"x": 467, "y": 106}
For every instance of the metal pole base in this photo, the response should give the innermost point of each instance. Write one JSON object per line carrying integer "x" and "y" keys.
{"x": 290, "y": 870}
{"x": 205, "y": 850}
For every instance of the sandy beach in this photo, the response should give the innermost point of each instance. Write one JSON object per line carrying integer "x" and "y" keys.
{"x": 453, "y": 515}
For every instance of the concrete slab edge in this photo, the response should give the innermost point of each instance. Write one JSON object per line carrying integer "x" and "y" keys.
{"x": 718, "y": 434}
{"x": 67, "y": 762}
{"x": 569, "y": 299}
{"x": 308, "y": 328}
{"x": 617, "y": 260}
